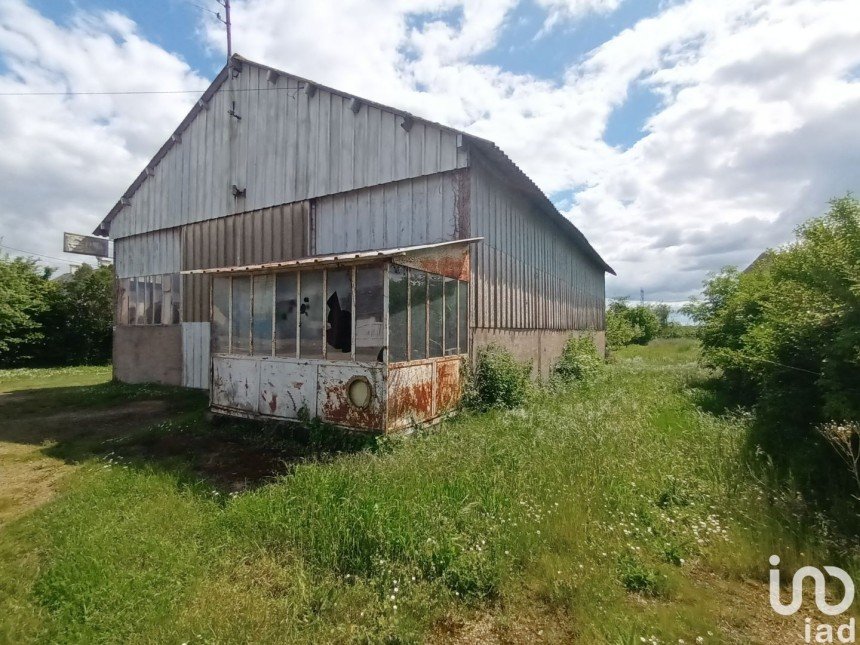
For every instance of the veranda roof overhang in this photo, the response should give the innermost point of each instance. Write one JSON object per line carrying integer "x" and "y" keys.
{"x": 334, "y": 259}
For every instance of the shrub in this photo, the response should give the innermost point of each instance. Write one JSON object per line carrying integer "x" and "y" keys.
{"x": 640, "y": 324}
{"x": 579, "y": 360}
{"x": 619, "y": 330}
{"x": 645, "y": 322}
{"x": 786, "y": 332}
{"x": 498, "y": 380}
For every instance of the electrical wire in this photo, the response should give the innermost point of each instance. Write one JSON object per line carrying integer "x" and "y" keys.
{"x": 136, "y": 92}
{"x": 41, "y": 255}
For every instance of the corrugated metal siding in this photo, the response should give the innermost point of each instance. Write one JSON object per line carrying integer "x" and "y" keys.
{"x": 527, "y": 274}
{"x": 195, "y": 355}
{"x": 148, "y": 254}
{"x": 266, "y": 235}
{"x": 287, "y": 147}
{"x": 404, "y": 213}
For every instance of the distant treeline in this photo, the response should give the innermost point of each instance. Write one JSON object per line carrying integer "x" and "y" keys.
{"x": 640, "y": 324}
{"x": 785, "y": 333}
{"x": 54, "y": 322}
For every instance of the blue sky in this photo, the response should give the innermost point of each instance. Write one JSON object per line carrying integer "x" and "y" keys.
{"x": 679, "y": 135}
{"x": 521, "y": 48}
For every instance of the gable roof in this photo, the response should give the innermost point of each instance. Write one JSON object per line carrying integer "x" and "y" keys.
{"x": 489, "y": 149}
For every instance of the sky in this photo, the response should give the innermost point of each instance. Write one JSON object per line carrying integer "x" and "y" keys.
{"x": 679, "y": 136}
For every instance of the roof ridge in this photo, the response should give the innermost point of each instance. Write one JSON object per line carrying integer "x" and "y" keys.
{"x": 494, "y": 153}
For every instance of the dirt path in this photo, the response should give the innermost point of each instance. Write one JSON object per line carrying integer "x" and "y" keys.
{"x": 29, "y": 475}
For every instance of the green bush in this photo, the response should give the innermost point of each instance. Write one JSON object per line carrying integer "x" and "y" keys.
{"x": 786, "y": 332}
{"x": 619, "y": 330}
{"x": 497, "y": 380}
{"x": 49, "y": 322}
{"x": 579, "y": 360}
{"x": 639, "y": 324}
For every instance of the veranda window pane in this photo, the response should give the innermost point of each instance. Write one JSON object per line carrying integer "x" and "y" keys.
{"x": 369, "y": 326}
{"x": 157, "y": 299}
{"x": 240, "y": 315}
{"x": 122, "y": 301}
{"x": 311, "y": 314}
{"x": 221, "y": 315}
{"x": 286, "y": 309}
{"x": 262, "y": 319}
{"x": 166, "y": 299}
{"x": 418, "y": 313}
{"x": 338, "y": 334}
{"x": 176, "y": 300}
{"x": 140, "y": 299}
{"x": 435, "y": 296}
{"x": 398, "y": 320}
{"x": 464, "y": 317}
{"x": 450, "y": 317}
{"x": 147, "y": 302}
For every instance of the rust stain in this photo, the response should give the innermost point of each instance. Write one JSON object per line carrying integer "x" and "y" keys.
{"x": 448, "y": 387}
{"x": 463, "y": 198}
{"x": 410, "y": 396}
{"x": 451, "y": 263}
{"x": 337, "y": 409}
{"x": 273, "y": 403}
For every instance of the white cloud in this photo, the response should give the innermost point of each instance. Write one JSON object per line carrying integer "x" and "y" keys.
{"x": 559, "y": 11}
{"x": 756, "y": 129}
{"x": 65, "y": 160}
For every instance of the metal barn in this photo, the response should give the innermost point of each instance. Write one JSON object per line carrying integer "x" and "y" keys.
{"x": 297, "y": 250}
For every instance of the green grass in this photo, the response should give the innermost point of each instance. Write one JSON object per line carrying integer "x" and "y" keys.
{"x": 596, "y": 513}
{"x": 25, "y": 378}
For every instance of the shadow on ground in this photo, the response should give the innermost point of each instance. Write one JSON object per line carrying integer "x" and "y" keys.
{"x": 166, "y": 428}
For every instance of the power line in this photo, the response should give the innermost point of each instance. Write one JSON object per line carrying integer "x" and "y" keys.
{"x": 200, "y": 6}
{"x": 42, "y": 255}
{"x": 123, "y": 92}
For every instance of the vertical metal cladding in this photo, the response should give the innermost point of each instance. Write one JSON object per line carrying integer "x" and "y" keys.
{"x": 527, "y": 273}
{"x": 195, "y": 355}
{"x": 287, "y": 146}
{"x": 266, "y": 235}
{"x": 403, "y": 213}
{"x": 152, "y": 253}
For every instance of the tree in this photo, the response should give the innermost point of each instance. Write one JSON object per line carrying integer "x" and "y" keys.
{"x": 25, "y": 291}
{"x": 786, "y": 331}
{"x": 45, "y": 322}
{"x": 626, "y": 324}
{"x": 80, "y": 319}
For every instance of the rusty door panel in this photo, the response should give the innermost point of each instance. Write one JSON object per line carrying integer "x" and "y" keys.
{"x": 286, "y": 387}
{"x": 236, "y": 383}
{"x": 410, "y": 395}
{"x": 448, "y": 384}
{"x": 333, "y": 402}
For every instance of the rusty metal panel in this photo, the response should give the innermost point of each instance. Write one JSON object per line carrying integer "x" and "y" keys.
{"x": 286, "y": 387}
{"x": 236, "y": 383}
{"x": 449, "y": 261}
{"x": 449, "y": 385}
{"x": 333, "y": 403}
{"x": 410, "y": 394}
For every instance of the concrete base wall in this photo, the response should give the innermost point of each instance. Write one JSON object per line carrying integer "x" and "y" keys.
{"x": 148, "y": 354}
{"x": 542, "y": 347}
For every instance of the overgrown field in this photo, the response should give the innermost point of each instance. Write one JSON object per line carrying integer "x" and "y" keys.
{"x": 613, "y": 512}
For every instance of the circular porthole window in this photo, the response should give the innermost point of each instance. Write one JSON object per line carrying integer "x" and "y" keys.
{"x": 359, "y": 392}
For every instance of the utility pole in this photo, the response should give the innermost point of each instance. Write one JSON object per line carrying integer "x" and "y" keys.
{"x": 642, "y": 297}
{"x": 226, "y": 21}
